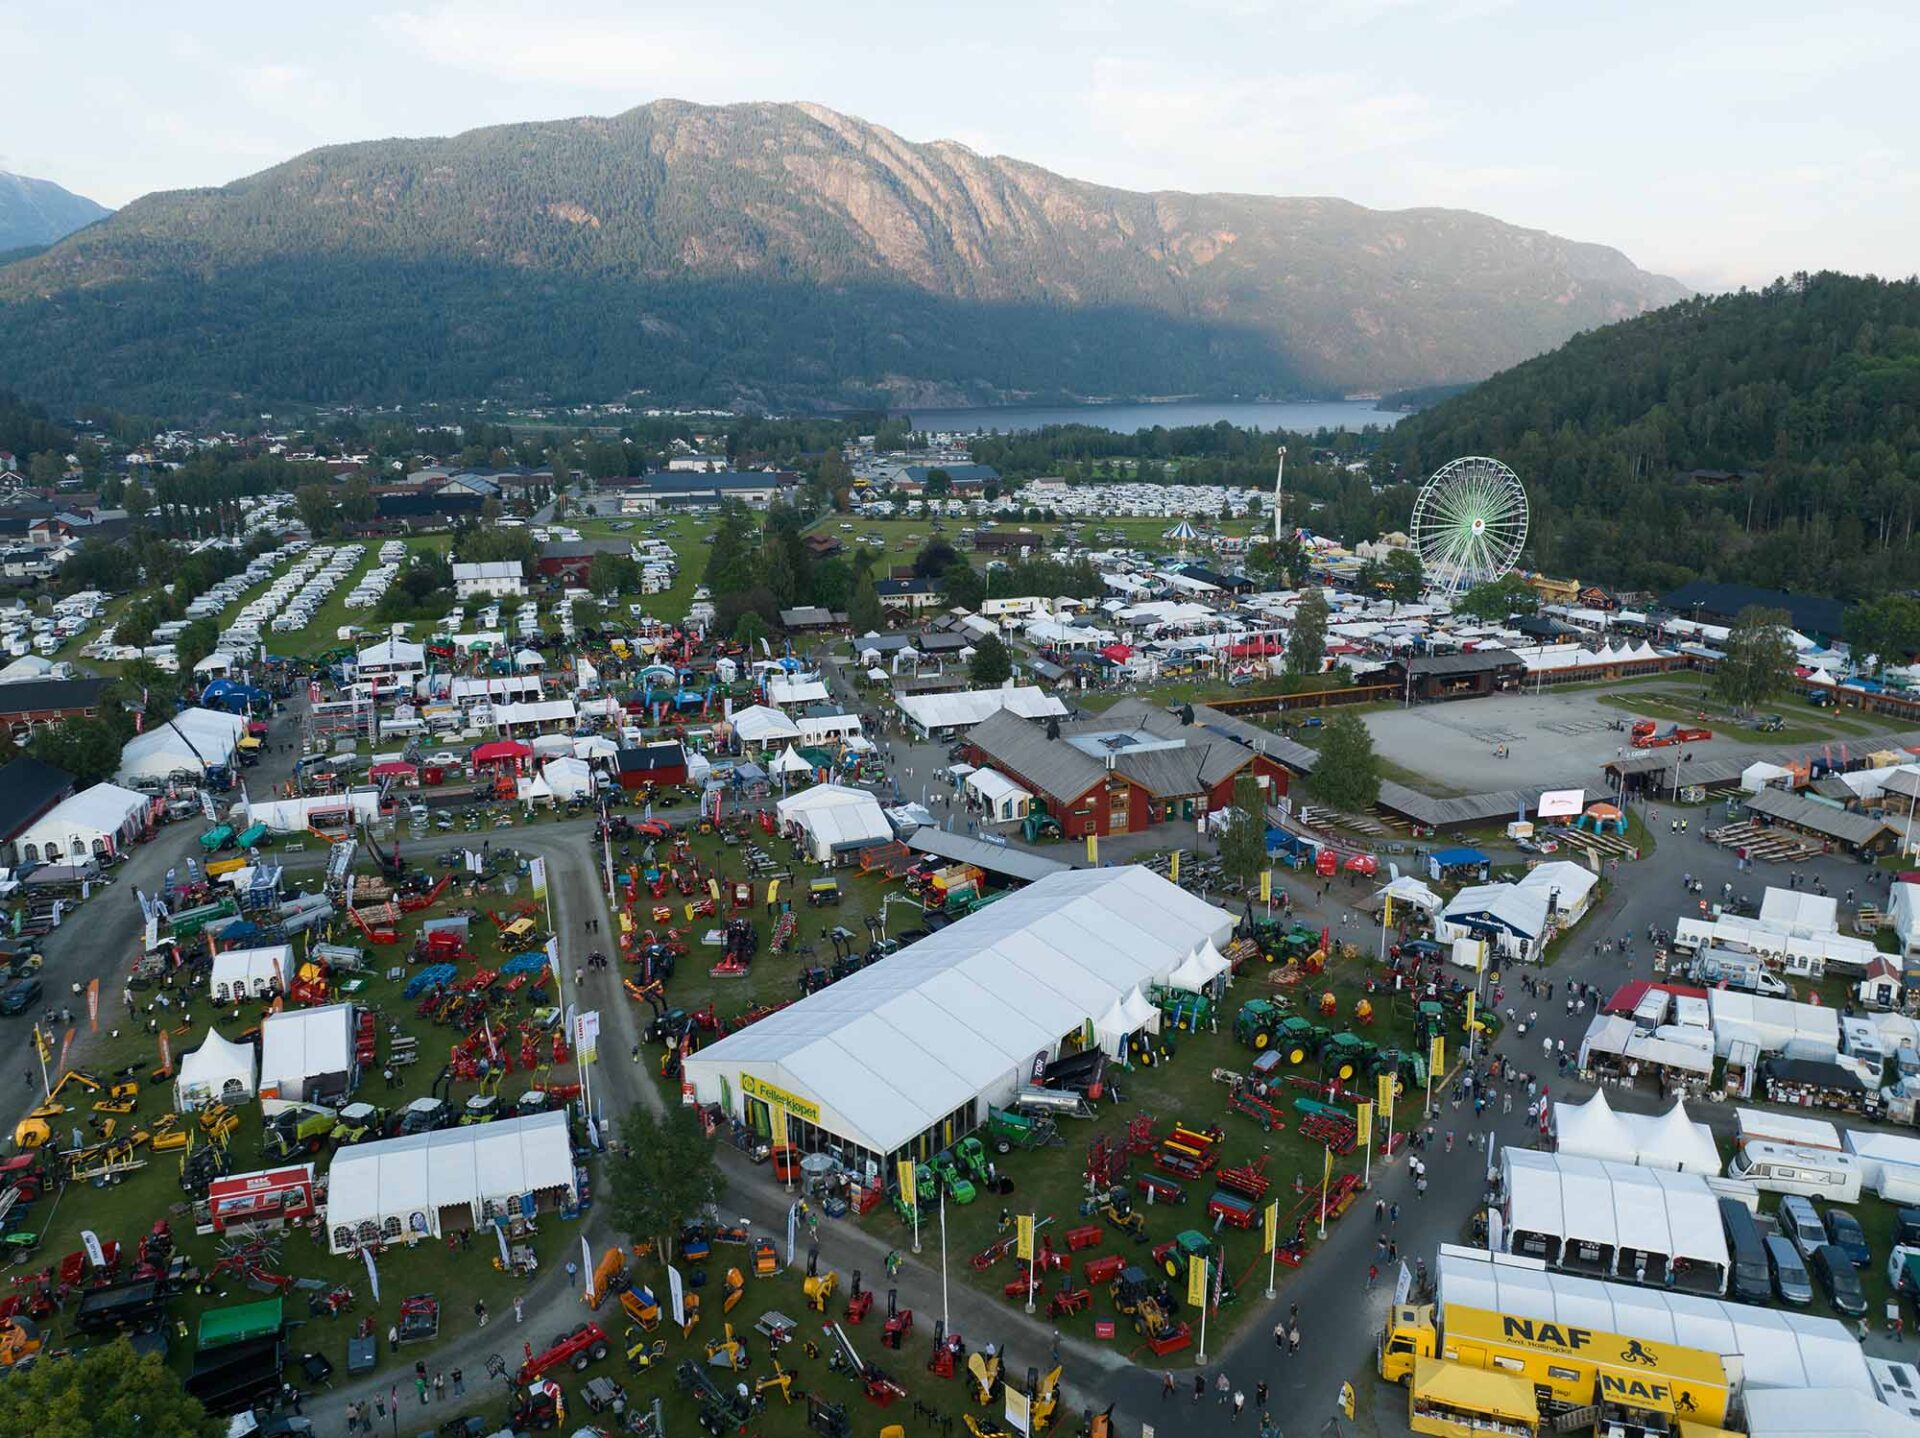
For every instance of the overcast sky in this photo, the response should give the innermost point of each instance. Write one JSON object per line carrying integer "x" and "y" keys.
{"x": 1723, "y": 142}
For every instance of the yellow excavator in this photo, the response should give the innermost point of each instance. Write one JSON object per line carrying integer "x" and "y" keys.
{"x": 19, "y": 1341}
{"x": 36, "y": 1129}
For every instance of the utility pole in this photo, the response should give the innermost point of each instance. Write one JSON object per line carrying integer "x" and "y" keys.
{"x": 1278, "y": 474}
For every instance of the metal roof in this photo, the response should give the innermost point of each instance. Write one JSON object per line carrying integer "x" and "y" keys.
{"x": 994, "y": 858}
{"x": 1817, "y": 818}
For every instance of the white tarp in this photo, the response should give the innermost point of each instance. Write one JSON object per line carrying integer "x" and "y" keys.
{"x": 1407, "y": 890}
{"x": 788, "y": 761}
{"x": 1757, "y": 775}
{"x": 833, "y": 817}
{"x": 191, "y": 741}
{"x": 569, "y": 778}
{"x": 969, "y": 707}
{"x": 98, "y": 821}
{"x": 758, "y": 725}
{"x": 219, "y": 1069}
{"x": 1773, "y": 1025}
{"x": 1570, "y": 1200}
{"x": 955, "y": 1020}
{"x": 819, "y": 728}
{"x": 291, "y": 816}
{"x": 241, "y": 974}
{"x": 412, "y": 1180}
{"x": 796, "y": 691}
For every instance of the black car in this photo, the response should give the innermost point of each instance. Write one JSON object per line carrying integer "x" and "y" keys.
{"x": 19, "y": 996}
{"x": 1835, "y": 1273}
{"x": 1845, "y": 1233}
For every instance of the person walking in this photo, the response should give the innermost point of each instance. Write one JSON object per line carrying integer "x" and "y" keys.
{"x": 1239, "y": 1405}
{"x": 1166, "y": 1386}
{"x": 1393, "y": 1216}
{"x": 393, "y": 1338}
{"x": 1293, "y": 1340}
{"x": 519, "y": 1311}
{"x": 439, "y": 1386}
{"x": 1223, "y": 1387}
{"x": 1199, "y": 1386}
{"x": 459, "y": 1384}
{"x": 1280, "y": 1337}
{"x": 1260, "y": 1395}
{"x": 480, "y": 1312}
{"x": 1373, "y": 1275}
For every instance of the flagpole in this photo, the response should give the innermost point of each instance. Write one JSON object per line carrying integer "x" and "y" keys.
{"x": 1205, "y": 1293}
{"x": 1033, "y": 1256}
{"x": 1273, "y": 1251}
{"x": 943, "y": 1259}
{"x": 1326, "y": 1172}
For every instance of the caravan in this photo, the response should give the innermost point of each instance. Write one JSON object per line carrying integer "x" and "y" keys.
{"x": 1785, "y": 1168}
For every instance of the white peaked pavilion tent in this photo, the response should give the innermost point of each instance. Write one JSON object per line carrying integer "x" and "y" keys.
{"x": 789, "y": 762}
{"x": 1124, "y": 1018}
{"x": 219, "y": 1070}
{"x": 834, "y": 819}
{"x": 242, "y": 974}
{"x": 1200, "y": 968}
{"x": 905, "y": 1055}
{"x": 1670, "y": 1140}
{"x": 759, "y": 724}
{"x": 1566, "y": 1203}
{"x": 427, "y": 1184}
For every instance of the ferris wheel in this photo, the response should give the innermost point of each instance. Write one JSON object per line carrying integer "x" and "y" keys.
{"x": 1469, "y": 523}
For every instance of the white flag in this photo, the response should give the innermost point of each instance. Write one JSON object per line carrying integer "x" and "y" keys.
{"x": 373, "y": 1274}
{"x": 676, "y": 1295}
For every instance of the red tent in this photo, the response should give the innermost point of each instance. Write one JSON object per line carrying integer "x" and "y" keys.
{"x": 1363, "y": 864}
{"x": 1118, "y": 653}
{"x": 393, "y": 769}
{"x": 502, "y": 751}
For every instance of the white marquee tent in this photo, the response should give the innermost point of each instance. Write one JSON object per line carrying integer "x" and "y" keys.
{"x": 99, "y": 821}
{"x": 408, "y": 1188}
{"x": 241, "y": 974}
{"x": 1567, "y": 1204}
{"x": 952, "y": 1022}
{"x": 306, "y": 1052}
{"x": 220, "y": 1070}
{"x": 931, "y": 712}
{"x": 758, "y": 725}
{"x": 1670, "y": 1141}
{"x": 190, "y": 741}
{"x": 1006, "y": 801}
{"x": 1200, "y": 968}
{"x": 833, "y": 818}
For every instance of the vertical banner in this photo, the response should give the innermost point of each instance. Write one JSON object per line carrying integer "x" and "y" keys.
{"x": 677, "y": 1296}
{"x": 793, "y": 1230}
{"x": 1437, "y": 1056}
{"x": 96, "y": 1255}
{"x": 66, "y": 1046}
{"x": 537, "y": 876}
{"x": 779, "y": 1126}
{"x": 1363, "y": 1124}
{"x": 1173, "y": 867}
{"x": 93, "y": 1006}
{"x": 1383, "y": 1090}
{"x": 506, "y": 1259}
{"x": 1472, "y": 1003}
{"x": 553, "y": 960}
{"x": 1196, "y": 1281}
{"x": 1093, "y": 849}
{"x": 166, "y": 1053}
{"x": 373, "y": 1273}
{"x": 1270, "y": 1226}
{"x": 1019, "y": 1409}
{"x": 1023, "y": 1237}
{"x": 586, "y": 1036}
{"x": 1266, "y": 886}
{"x": 587, "y": 1272}
{"x": 909, "y": 1187}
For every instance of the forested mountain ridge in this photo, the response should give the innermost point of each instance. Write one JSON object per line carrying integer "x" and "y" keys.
{"x": 38, "y": 212}
{"x": 1770, "y": 437}
{"x": 784, "y": 253}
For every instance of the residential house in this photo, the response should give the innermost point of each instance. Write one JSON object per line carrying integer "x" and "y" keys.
{"x": 568, "y": 560}
{"x": 493, "y": 578}
{"x": 907, "y": 597}
{"x": 32, "y": 702}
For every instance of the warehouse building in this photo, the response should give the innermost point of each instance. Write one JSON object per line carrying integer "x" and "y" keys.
{"x": 903, "y": 1058}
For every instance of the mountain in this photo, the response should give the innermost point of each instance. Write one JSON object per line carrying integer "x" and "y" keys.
{"x": 1769, "y": 438}
{"x": 38, "y": 212}
{"x": 783, "y": 254}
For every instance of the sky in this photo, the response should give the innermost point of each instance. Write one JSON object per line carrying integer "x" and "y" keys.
{"x": 1722, "y": 143}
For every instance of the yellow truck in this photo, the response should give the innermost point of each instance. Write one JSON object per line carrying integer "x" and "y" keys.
{"x": 1568, "y": 1367}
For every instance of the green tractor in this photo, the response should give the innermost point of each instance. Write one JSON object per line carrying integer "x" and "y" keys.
{"x": 1181, "y": 1011}
{"x": 1297, "y": 1040}
{"x": 952, "y": 1180}
{"x": 1254, "y": 1026}
{"x": 926, "y": 1195}
{"x": 1345, "y": 1057}
{"x": 297, "y": 1132}
{"x": 1429, "y": 1020}
{"x": 1175, "y": 1256}
{"x": 971, "y": 1155}
{"x": 1407, "y": 1066}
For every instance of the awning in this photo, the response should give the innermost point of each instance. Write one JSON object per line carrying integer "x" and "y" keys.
{"x": 1479, "y": 1390}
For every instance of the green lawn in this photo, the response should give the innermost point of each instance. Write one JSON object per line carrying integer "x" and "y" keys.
{"x": 906, "y": 537}
{"x": 1674, "y": 700}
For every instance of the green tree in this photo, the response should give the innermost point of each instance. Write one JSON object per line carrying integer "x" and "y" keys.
{"x": 1887, "y": 630}
{"x": 1404, "y": 575}
{"x": 1346, "y": 776}
{"x": 1498, "y": 600}
{"x": 586, "y": 615}
{"x": 314, "y": 503}
{"x": 47, "y": 468}
{"x": 936, "y": 557}
{"x": 863, "y": 608}
{"x": 1307, "y": 644}
{"x": 662, "y": 1174}
{"x": 491, "y": 509}
{"x": 88, "y": 749}
{"x": 137, "y": 500}
{"x": 776, "y": 572}
{"x": 991, "y": 665}
{"x": 963, "y": 585}
{"x": 1758, "y": 662}
{"x": 108, "y": 1392}
{"x": 748, "y": 632}
{"x": 733, "y": 555}
{"x": 195, "y": 643}
{"x": 1243, "y": 845}
{"x": 357, "y": 504}
{"x": 611, "y": 575}
{"x": 939, "y": 484}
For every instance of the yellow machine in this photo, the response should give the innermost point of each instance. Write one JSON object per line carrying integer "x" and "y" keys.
{"x": 690, "y": 1305}
{"x": 1042, "y": 1402}
{"x": 218, "y": 1122}
{"x": 984, "y": 1377}
{"x": 1570, "y": 1366}
{"x": 726, "y": 1351}
{"x": 818, "y": 1289}
{"x": 781, "y": 1378}
{"x": 642, "y": 1307}
{"x": 19, "y": 1340}
{"x": 734, "y": 1287}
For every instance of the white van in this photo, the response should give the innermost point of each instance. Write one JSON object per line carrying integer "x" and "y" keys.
{"x": 1783, "y": 1168}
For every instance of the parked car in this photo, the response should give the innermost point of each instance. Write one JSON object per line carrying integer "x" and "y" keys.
{"x": 19, "y": 996}
{"x": 1906, "y": 1227}
{"x": 1800, "y": 1222}
{"x": 1790, "y": 1279}
{"x": 1841, "y": 1284}
{"x": 1844, "y": 1232}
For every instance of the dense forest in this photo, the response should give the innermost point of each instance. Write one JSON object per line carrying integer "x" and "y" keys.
{"x": 1770, "y": 437}
{"x": 778, "y": 254}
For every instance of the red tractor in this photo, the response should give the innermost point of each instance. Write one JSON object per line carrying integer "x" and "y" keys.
{"x": 584, "y": 1345}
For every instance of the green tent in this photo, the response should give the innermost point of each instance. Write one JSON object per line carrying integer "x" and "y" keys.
{"x": 221, "y": 1326}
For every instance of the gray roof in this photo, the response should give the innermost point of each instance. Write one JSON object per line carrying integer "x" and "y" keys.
{"x": 1052, "y": 766}
{"x": 1478, "y": 661}
{"x": 994, "y": 858}
{"x": 1817, "y": 818}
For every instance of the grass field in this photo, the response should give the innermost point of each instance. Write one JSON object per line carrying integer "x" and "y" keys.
{"x": 1805, "y": 724}
{"x": 904, "y": 538}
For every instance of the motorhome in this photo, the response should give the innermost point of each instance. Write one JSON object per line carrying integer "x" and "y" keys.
{"x": 1785, "y": 1168}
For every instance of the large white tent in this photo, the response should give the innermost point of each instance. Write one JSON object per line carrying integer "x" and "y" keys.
{"x": 1564, "y": 1205}
{"x": 1006, "y": 801}
{"x": 241, "y": 974}
{"x": 306, "y": 1055}
{"x": 190, "y": 742}
{"x": 931, "y": 713}
{"x": 1594, "y": 1129}
{"x": 94, "y": 823}
{"x": 833, "y": 819}
{"x": 953, "y": 1022}
{"x": 291, "y": 816}
{"x": 219, "y": 1071}
{"x": 403, "y": 1189}
{"x": 758, "y": 725}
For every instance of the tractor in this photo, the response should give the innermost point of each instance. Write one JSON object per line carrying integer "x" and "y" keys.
{"x": 1345, "y": 1056}
{"x": 1254, "y": 1026}
{"x": 1296, "y": 1040}
{"x": 957, "y": 1185}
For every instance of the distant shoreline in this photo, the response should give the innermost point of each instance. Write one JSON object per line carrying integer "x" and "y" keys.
{"x": 1124, "y": 417}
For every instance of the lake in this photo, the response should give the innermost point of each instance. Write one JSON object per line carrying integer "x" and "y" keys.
{"x": 1301, "y": 417}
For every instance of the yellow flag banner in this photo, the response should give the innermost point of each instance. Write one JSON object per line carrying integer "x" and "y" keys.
{"x": 1472, "y": 999}
{"x": 1266, "y": 886}
{"x": 1023, "y": 1237}
{"x": 1093, "y": 849}
{"x": 1437, "y": 1056}
{"x": 1270, "y": 1226}
{"x": 1386, "y": 913}
{"x": 908, "y": 1189}
{"x": 1363, "y": 1125}
{"x": 1196, "y": 1281}
{"x": 779, "y": 1127}
{"x": 1383, "y": 1086}
{"x": 1173, "y": 867}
